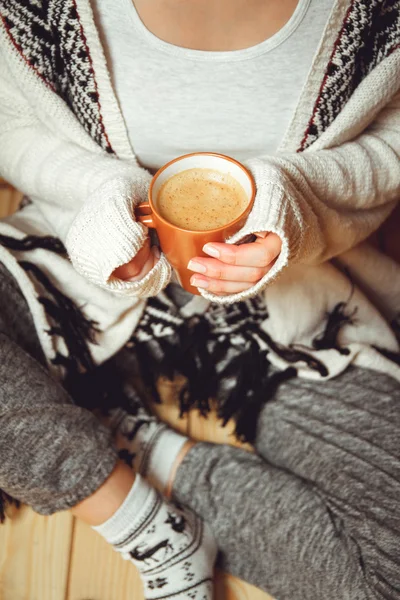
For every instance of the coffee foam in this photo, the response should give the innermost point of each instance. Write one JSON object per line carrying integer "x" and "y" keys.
{"x": 201, "y": 199}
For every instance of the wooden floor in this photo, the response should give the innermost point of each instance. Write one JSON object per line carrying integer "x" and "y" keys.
{"x": 60, "y": 558}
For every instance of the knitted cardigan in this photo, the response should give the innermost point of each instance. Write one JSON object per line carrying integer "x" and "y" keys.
{"x": 329, "y": 300}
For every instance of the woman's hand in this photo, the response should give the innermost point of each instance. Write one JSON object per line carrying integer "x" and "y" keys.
{"x": 235, "y": 268}
{"x": 139, "y": 266}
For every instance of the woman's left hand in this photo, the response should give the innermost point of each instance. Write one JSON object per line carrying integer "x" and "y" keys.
{"x": 235, "y": 268}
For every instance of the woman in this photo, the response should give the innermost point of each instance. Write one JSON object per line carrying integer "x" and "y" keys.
{"x": 306, "y": 94}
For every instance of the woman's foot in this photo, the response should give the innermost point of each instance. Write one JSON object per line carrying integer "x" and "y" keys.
{"x": 173, "y": 549}
{"x": 150, "y": 447}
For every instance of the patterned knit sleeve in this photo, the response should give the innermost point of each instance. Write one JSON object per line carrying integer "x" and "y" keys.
{"x": 324, "y": 202}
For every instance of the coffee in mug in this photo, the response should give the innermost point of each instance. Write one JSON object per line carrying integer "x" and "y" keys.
{"x": 201, "y": 199}
{"x": 232, "y": 191}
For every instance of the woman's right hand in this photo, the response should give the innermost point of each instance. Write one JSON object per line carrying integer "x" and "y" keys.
{"x": 139, "y": 266}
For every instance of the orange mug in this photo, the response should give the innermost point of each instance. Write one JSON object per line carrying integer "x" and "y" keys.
{"x": 181, "y": 245}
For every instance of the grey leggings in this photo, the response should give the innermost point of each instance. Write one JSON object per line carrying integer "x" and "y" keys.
{"x": 315, "y": 516}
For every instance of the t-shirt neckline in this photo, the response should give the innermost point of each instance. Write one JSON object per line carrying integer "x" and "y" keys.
{"x": 230, "y": 55}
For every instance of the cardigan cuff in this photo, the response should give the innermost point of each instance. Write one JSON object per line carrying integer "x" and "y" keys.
{"x": 275, "y": 212}
{"x": 105, "y": 235}
{"x": 150, "y": 285}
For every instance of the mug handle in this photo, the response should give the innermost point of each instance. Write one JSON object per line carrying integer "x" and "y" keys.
{"x": 144, "y": 215}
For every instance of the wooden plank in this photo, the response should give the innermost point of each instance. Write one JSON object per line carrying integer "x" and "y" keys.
{"x": 98, "y": 572}
{"x": 34, "y": 556}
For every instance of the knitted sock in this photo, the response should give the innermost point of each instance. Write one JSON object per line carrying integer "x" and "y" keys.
{"x": 170, "y": 545}
{"x": 147, "y": 445}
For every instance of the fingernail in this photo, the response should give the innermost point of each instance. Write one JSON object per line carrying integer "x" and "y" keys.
{"x": 261, "y": 234}
{"x": 156, "y": 251}
{"x": 199, "y": 282}
{"x": 211, "y": 251}
{"x": 193, "y": 265}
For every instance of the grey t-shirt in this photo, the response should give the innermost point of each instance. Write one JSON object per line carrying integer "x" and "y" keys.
{"x": 175, "y": 100}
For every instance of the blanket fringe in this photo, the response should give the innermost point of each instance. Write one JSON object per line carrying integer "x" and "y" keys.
{"x": 221, "y": 360}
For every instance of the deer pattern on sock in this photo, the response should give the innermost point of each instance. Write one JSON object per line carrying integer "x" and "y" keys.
{"x": 149, "y": 555}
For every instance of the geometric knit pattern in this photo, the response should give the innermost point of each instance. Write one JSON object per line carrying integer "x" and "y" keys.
{"x": 49, "y": 36}
{"x": 369, "y": 34}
